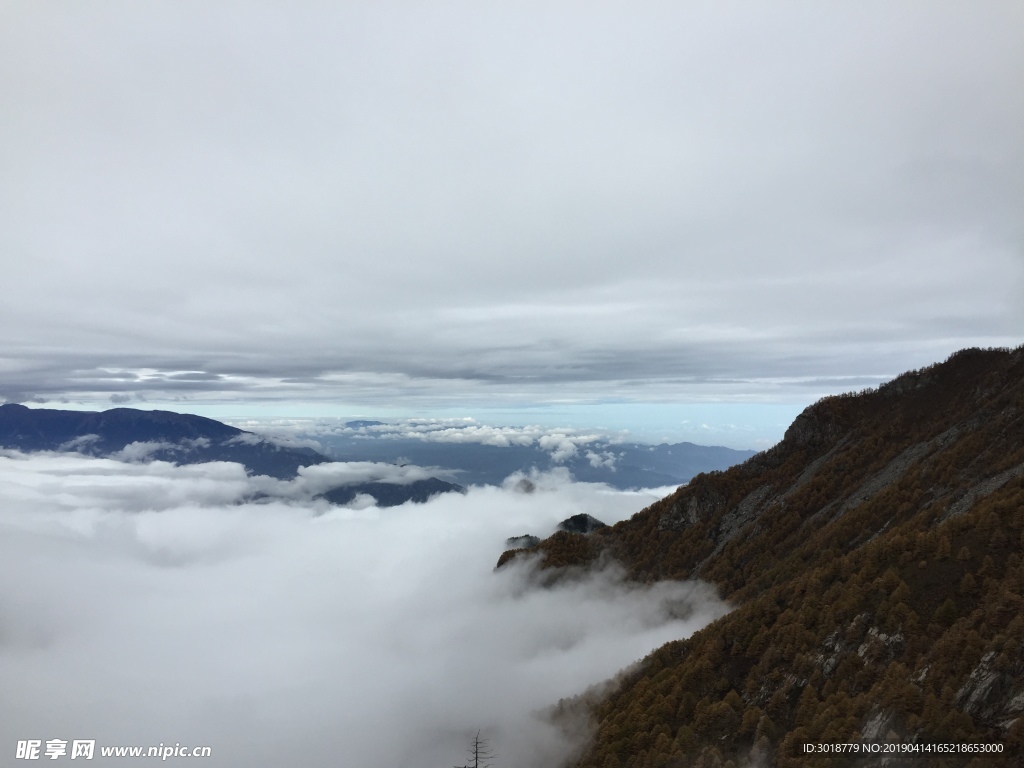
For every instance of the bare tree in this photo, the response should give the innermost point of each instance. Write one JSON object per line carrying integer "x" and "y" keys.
{"x": 479, "y": 753}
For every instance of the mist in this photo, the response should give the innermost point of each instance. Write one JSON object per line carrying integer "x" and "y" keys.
{"x": 143, "y": 604}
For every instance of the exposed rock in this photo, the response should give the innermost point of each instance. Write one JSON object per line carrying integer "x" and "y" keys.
{"x": 832, "y": 651}
{"x": 878, "y": 727}
{"x": 813, "y": 428}
{"x": 878, "y": 646}
{"x": 979, "y": 491}
{"x": 815, "y": 465}
{"x": 1015, "y": 705}
{"x": 742, "y": 514}
{"x": 874, "y": 645}
{"x": 895, "y": 469}
{"x": 985, "y": 687}
{"x": 698, "y": 503}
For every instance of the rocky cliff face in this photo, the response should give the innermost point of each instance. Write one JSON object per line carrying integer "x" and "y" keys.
{"x": 875, "y": 558}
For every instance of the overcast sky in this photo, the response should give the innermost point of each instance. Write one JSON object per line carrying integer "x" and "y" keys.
{"x": 444, "y": 208}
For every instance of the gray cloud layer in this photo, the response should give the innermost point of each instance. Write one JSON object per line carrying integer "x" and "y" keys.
{"x": 560, "y": 442}
{"x": 141, "y": 604}
{"x": 503, "y": 203}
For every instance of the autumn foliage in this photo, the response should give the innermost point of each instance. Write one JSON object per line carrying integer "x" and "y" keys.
{"x": 876, "y": 561}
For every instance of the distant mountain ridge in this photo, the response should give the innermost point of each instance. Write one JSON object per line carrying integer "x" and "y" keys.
{"x": 46, "y": 429}
{"x": 876, "y": 561}
{"x": 620, "y": 465}
{"x": 178, "y": 437}
{"x": 184, "y": 439}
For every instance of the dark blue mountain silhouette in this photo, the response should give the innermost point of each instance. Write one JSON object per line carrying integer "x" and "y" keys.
{"x": 184, "y": 439}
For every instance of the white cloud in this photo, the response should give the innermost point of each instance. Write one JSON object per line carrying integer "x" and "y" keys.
{"x": 319, "y": 478}
{"x": 603, "y": 459}
{"x": 246, "y": 438}
{"x": 362, "y": 501}
{"x": 502, "y": 437}
{"x": 273, "y": 433}
{"x": 164, "y": 484}
{"x": 453, "y": 431}
{"x": 141, "y": 450}
{"x": 564, "y": 446}
{"x": 561, "y": 442}
{"x": 82, "y": 442}
{"x": 141, "y": 604}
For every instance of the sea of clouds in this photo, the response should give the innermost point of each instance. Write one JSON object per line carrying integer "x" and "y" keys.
{"x": 561, "y": 442}
{"x": 151, "y": 603}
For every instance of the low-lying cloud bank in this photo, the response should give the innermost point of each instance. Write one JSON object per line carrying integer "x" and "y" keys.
{"x": 148, "y": 603}
{"x": 560, "y": 442}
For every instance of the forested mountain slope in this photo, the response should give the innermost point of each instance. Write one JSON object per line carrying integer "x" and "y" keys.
{"x": 875, "y": 561}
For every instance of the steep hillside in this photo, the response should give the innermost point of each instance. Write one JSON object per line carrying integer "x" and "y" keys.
{"x": 875, "y": 561}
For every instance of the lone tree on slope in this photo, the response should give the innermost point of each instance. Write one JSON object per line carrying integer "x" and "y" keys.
{"x": 479, "y": 751}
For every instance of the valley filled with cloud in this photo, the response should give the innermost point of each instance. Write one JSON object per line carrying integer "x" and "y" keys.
{"x": 148, "y": 603}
